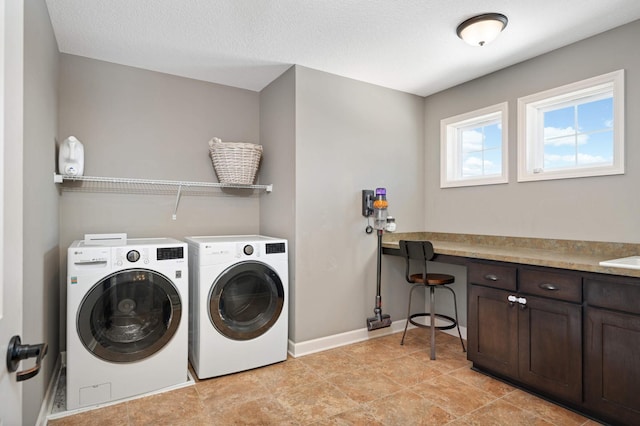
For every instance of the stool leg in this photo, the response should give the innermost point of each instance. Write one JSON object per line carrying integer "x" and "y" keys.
{"x": 413, "y": 287}
{"x": 432, "y": 302}
{"x": 455, "y": 307}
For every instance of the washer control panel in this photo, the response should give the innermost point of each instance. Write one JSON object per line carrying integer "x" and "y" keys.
{"x": 127, "y": 255}
{"x": 169, "y": 253}
{"x": 133, "y": 256}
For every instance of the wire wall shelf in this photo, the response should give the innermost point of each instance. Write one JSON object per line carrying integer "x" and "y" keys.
{"x": 149, "y": 186}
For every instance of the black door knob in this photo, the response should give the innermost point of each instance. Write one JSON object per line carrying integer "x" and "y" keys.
{"x": 16, "y": 352}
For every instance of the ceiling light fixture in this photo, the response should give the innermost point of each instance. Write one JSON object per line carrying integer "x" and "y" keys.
{"x": 482, "y": 29}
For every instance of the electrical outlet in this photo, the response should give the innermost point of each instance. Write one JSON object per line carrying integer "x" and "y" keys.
{"x": 367, "y": 202}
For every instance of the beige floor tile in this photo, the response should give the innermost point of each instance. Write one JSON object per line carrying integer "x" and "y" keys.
{"x": 412, "y": 342}
{"x": 179, "y": 407}
{"x": 500, "y": 413}
{"x": 482, "y": 381}
{"x": 356, "y": 417}
{"x": 454, "y": 396}
{"x": 231, "y": 389}
{"x": 547, "y": 410}
{"x": 406, "y": 370}
{"x": 331, "y": 363}
{"x": 284, "y": 375}
{"x": 108, "y": 416}
{"x": 417, "y": 335}
{"x": 408, "y": 408}
{"x": 365, "y": 385}
{"x": 372, "y": 352}
{"x": 446, "y": 361}
{"x": 315, "y": 402}
{"x": 262, "y": 411}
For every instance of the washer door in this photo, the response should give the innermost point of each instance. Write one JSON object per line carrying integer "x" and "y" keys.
{"x": 129, "y": 315}
{"x": 246, "y": 300}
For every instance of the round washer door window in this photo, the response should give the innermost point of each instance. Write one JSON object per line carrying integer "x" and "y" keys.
{"x": 129, "y": 315}
{"x": 246, "y": 300}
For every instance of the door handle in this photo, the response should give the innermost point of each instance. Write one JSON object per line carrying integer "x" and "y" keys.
{"x": 16, "y": 352}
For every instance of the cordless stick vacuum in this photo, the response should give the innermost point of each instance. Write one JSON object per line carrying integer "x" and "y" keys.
{"x": 380, "y": 205}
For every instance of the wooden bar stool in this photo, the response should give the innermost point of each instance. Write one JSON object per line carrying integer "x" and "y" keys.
{"x": 422, "y": 252}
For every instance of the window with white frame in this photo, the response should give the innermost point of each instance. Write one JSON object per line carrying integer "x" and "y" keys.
{"x": 573, "y": 131}
{"x": 473, "y": 148}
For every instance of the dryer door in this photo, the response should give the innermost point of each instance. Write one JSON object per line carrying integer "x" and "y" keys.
{"x": 129, "y": 315}
{"x": 246, "y": 300}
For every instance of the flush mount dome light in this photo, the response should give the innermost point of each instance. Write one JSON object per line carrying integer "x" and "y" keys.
{"x": 482, "y": 29}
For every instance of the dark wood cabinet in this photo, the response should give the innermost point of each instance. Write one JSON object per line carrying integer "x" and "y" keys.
{"x": 525, "y": 324}
{"x": 571, "y": 336}
{"x": 550, "y": 347}
{"x": 612, "y": 349}
{"x": 492, "y": 330}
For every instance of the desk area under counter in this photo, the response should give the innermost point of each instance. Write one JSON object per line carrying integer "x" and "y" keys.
{"x": 561, "y": 325}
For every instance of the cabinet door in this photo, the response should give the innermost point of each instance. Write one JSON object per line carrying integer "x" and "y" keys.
{"x": 492, "y": 330}
{"x": 550, "y": 347}
{"x": 612, "y": 365}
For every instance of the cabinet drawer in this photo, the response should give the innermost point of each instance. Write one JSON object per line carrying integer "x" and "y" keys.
{"x": 493, "y": 275}
{"x": 619, "y": 296}
{"x": 556, "y": 285}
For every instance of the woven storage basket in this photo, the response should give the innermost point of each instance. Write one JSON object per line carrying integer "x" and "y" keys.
{"x": 235, "y": 162}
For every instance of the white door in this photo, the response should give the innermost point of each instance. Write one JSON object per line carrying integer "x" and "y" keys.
{"x": 11, "y": 136}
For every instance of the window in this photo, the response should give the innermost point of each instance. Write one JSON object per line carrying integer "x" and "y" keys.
{"x": 573, "y": 131}
{"x": 473, "y": 148}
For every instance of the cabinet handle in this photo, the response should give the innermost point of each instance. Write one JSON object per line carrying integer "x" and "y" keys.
{"x": 549, "y": 286}
{"x": 491, "y": 277}
{"x": 523, "y": 302}
{"x": 512, "y": 299}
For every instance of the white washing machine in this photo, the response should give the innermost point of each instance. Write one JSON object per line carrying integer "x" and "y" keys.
{"x": 127, "y": 326}
{"x": 238, "y": 295}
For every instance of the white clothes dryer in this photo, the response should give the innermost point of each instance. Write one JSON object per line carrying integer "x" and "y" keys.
{"x": 238, "y": 295}
{"x": 127, "y": 327}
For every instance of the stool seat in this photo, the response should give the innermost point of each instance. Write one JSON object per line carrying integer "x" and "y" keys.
{"x": 432, "y": 279}
{"x": 422, "y": 252}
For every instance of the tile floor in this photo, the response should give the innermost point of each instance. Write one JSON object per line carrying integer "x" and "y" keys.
{"x": 376, "y": 382}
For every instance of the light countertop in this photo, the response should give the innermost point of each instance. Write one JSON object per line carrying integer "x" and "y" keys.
{"x": 566, "y": 254}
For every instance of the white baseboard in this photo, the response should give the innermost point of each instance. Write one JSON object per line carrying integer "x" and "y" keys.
{"x": 342, "y": 339}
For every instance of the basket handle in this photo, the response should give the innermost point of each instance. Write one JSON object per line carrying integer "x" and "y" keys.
{"x": 214, "y": 141}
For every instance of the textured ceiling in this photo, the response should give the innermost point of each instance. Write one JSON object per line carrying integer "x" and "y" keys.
{"x": 408, "y": 45}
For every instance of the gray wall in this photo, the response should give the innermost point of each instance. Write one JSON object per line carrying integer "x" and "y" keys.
{"x": 40, "y": 200}
{"x": 142, "y": 124}
{"x": 277, "y": 135}
{"x": 326, "y": 138}
{"x": 596, "y": 208}
{"x": 350, "y": 136}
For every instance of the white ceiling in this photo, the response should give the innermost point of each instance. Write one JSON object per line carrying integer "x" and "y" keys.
{"x": 408, "y": 45}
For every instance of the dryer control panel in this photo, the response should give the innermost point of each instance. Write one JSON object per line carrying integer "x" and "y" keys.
{"x": 273, "y": 248}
